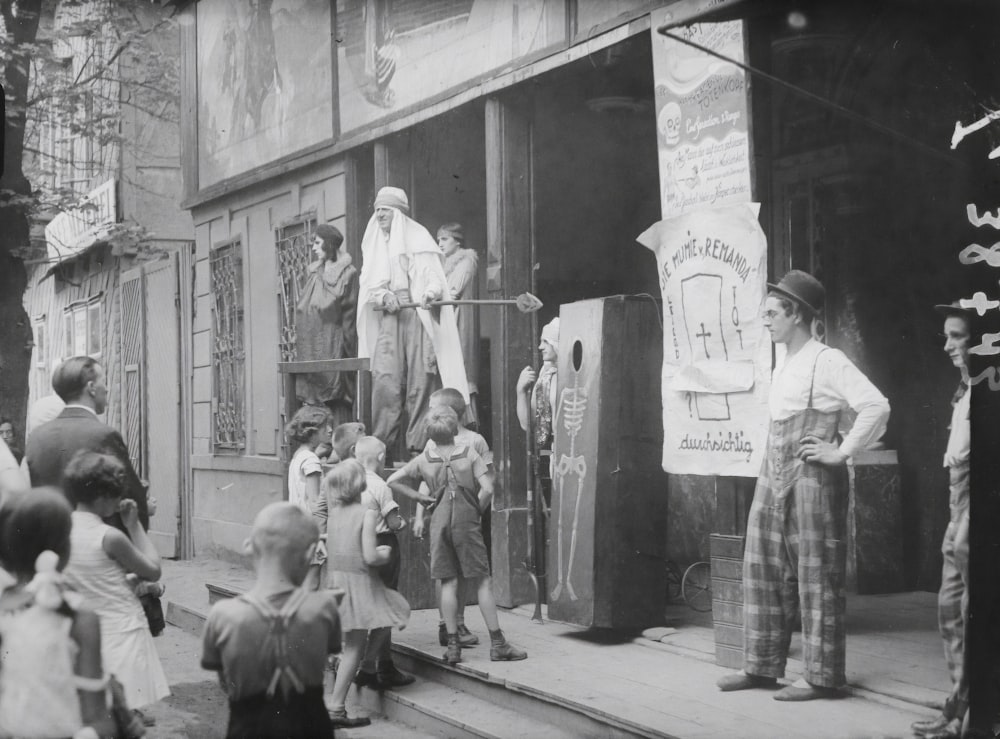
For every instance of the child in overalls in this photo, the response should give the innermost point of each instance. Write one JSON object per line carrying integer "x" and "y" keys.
{"x": 270, "y": 645}
{"x": 452, "y": 472}
{"x": 452, "y": 398}
{"x": 796, "y": 554}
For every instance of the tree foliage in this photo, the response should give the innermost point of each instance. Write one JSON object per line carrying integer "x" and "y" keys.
{"x": 77, "y": 76}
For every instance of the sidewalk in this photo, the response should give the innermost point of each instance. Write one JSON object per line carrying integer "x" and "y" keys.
{"x": 667, "y": 688}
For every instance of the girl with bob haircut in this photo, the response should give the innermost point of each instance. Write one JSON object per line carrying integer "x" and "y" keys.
{"x": 309, "y": 427}
{"x": 354, "y": 555}
{"x": 101, "y": 558}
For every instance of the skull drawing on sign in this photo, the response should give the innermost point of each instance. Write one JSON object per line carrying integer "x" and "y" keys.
{"x": 669, "y": 123}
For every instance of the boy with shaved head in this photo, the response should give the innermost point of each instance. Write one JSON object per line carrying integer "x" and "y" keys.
{"x": 270, "y": 645}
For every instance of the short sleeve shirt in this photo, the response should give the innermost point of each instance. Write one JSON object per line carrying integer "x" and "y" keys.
{"x": 378, "y": 496}
{"x": 469, "y": 438}
{"x": 304, "y": 463}
{"x": 428, "y": 466}
{"x": 236, "y": 642}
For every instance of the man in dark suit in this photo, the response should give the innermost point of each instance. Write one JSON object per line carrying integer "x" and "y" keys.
{"x": 80, "y": 382}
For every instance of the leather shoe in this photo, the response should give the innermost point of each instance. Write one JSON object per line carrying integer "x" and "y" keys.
{"x": 813, "y": 692}
{"x": 389, "y": 677}
{"x": 465, "y": 637}
{"x": 743, "y": 681}
{"x": 365, "y": 679}
{"x": 343, "y": 721}
{"x": 930, "y": 725}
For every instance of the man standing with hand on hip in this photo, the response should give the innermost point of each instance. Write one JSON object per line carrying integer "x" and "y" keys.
{"x": 796, "y": 551}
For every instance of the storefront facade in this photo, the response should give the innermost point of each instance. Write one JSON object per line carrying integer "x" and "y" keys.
{"x": 534, "y": 124}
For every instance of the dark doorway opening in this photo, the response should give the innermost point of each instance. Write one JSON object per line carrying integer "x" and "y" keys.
{"x": 595, "y": 177}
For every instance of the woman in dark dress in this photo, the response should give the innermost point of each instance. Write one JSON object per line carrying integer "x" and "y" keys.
{"x": 325, "y": 324}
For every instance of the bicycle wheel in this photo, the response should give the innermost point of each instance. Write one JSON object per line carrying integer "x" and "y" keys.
{"x": 696, "y": 587}
{"x": 674, "y": 578}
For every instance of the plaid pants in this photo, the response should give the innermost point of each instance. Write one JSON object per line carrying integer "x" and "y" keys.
{"x": 953, "y": 598}
{"x": 796, "y": 556}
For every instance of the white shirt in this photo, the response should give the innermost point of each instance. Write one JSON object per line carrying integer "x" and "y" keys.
{"x": 838, "y": 386}
{"x": 304, "y": 463}
{"x": 959, "y": 440}
{"x": 12, "y": 477}
{"x": 378, "y": 496}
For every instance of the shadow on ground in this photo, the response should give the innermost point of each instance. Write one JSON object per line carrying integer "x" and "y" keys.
{"x": 192, "y": 711}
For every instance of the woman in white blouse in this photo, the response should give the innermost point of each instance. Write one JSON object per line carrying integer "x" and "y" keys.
{"x": 796, "y": 554}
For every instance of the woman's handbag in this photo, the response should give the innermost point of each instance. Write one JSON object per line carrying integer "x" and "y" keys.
{"x": 153, "y": 608}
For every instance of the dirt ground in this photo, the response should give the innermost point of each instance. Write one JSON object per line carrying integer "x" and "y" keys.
{"x": 196, "y": 707}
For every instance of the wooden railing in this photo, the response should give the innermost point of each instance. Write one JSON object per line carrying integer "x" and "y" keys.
{"x": 363, "y": 392}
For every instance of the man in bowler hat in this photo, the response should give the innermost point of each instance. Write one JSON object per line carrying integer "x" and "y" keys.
{"x": 796, "y": 555}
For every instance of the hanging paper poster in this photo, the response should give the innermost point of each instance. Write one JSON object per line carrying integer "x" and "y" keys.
{"x": 712, "y": 267}
{"x": 701, "y": 117}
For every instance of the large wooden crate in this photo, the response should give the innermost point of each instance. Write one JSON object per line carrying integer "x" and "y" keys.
{"x": 609, "y": 494}
{"x": 727, "y": 598}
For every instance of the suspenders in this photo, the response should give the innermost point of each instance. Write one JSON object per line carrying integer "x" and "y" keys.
{"x": 278, "y": 622}
{"x": 812, "y": 382}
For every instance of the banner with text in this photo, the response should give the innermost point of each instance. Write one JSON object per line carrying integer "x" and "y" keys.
{"x": 702, "y": 117}
{"x": 712, "y": 268}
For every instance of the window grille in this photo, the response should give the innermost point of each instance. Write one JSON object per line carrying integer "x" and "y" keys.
{"x": 293, "y": 243}
{"x": 228, "y": 355}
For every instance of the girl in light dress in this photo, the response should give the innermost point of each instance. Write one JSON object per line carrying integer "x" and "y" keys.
{"x": 100, "y": 559}
{"x": 51, "y": 678}
{"x": 353, "y": 554}
{"x": 309, "y": 427}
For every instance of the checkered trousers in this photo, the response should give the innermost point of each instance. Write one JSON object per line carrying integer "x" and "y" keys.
{"x": 796, "y": 556}
{"x": 953, "y": 597}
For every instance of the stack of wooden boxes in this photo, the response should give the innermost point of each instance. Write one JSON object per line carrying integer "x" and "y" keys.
{"x": 727, "y": 598}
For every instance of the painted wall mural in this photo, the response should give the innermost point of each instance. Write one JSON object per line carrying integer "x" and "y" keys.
{"x": 397, "y": 53}
{"x": 265, "y": 82}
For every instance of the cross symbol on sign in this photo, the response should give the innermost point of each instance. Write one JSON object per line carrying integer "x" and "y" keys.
{"x": 704, "y": 339}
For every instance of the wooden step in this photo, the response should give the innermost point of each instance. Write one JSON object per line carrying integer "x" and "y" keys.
{"x": 449, "y": 712}
{"x": 579, "y": 719}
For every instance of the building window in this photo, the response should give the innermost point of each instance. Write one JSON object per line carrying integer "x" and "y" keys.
{"x": 293, "y": 243}
{"x": 228, "y": 356}
{"x": 82, "y": 329}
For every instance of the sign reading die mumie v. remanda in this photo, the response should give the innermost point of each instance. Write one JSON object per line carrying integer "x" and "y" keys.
{"x": 712, "y": 267}
{"x": 711, "y": 256}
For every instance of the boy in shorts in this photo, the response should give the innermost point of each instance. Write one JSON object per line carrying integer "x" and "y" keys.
{"x": 453, "y": 399}
{"x": 452, "y": 472}
{"x": 274, "y": 676}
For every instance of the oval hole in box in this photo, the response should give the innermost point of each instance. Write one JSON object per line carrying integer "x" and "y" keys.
{"x": 577, "y": 355}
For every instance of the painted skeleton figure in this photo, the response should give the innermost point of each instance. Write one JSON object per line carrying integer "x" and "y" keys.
{"x": 571, "y": 409}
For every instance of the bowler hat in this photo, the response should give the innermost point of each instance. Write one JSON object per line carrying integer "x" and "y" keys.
{"x": 801, "y": 287}
{"x": 954, "y": 309}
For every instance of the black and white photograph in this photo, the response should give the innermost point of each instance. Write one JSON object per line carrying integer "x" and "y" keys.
{"x": 500, "y": 369}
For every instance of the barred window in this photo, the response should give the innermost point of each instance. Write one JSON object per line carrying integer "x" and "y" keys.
{"x": 293, "y": 243}
{"x": 228, "y": 355}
